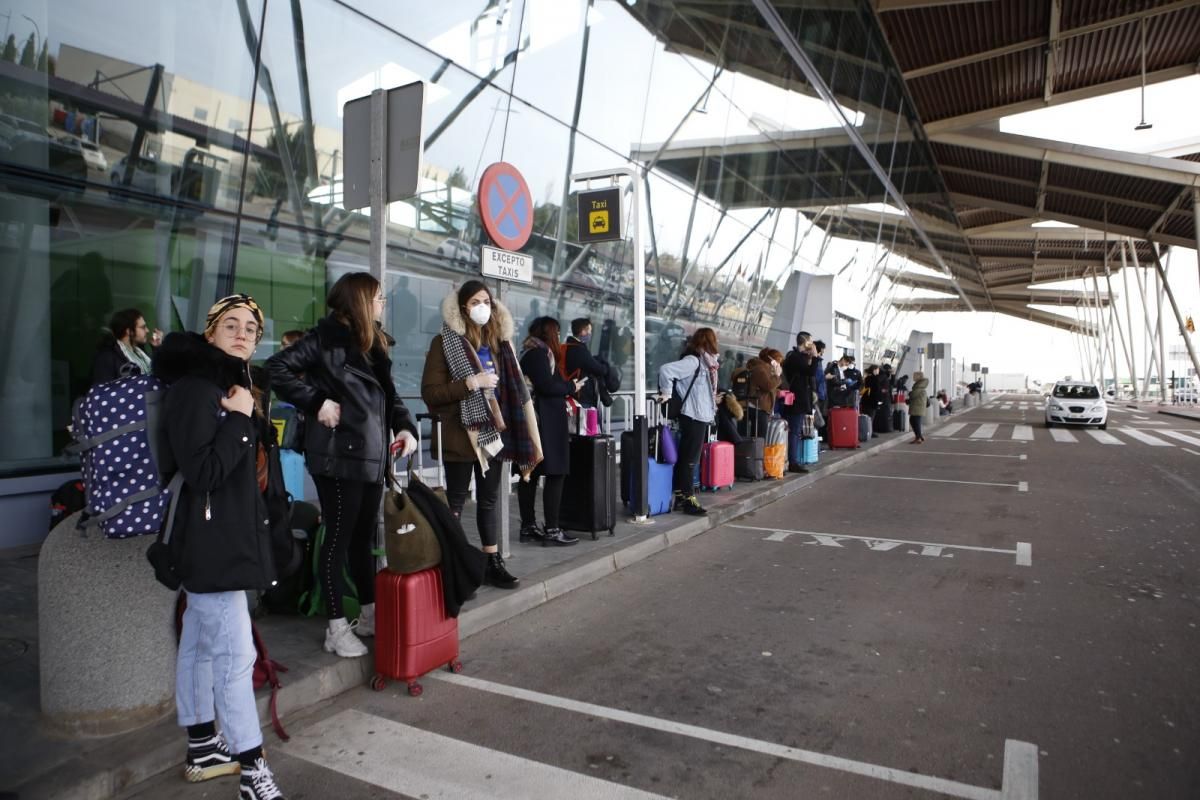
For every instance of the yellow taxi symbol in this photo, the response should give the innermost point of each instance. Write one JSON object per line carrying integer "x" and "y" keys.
{"x": 598, "y": 221}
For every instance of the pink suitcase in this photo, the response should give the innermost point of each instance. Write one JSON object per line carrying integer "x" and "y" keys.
{"x": 716, "y": 466}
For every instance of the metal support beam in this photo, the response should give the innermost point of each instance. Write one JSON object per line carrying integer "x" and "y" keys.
{"x": 1052, "y": 47}
{"x": 1187, "y": 340}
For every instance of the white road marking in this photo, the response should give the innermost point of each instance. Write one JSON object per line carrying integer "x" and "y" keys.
{"x": 1104, "y": 437}
{"x": 1016, "y": 486}
{"x": 1061, "y": 435}
{"x": 1023, "y": 553}
{"x": 1145, "y": 438}
{"x": 923, "y": 452}
{"x": 1183, "y": 437}
{"x": 985, "y": 431}
{"x": 1143, "y": 419}
{"x": 1193, "y": 452}
{"x": 861, "y": 768}
{"x": 1020, "y": 771}
{"x": 1023, "y": 433}
{"x": 1022, "y": 486}
{"x": 949, "y": 429}
{"x": 403, "y": 759}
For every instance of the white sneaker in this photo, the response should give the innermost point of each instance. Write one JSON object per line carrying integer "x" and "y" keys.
{"x": 340, "y": 639}
{"x": 366, "y": 621}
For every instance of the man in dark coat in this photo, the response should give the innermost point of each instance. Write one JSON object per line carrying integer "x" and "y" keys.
{"x": 799, "y": 371}
{"x": 580, "y": 363}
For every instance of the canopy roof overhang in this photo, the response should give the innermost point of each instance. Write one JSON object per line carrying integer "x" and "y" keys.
{"x": 959, "y": 65}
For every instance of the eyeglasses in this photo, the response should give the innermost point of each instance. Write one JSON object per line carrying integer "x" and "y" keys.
{"x": 232, "y": 328}
{"x": 380, "y": 299}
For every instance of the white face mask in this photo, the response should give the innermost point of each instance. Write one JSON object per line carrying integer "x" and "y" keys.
{"x": 480, "y": 314}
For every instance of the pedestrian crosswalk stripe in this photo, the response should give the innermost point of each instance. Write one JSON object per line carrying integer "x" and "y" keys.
{"x": 1104, "y": 437}
{"x": 416, "y": 763}
{"x": 1183, "y": 437}
{"x": 1145, "y": 438}
{"x": 1062, "y": 436}
{"x": 985, "y": 431}
{"x": 1023, "y": 433}
{"x": 949, "y": 429}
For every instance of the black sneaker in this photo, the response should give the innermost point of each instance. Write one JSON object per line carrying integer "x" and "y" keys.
{"x": 259, "y": 784}
{"x": 557, "y": 536}
{"x": 690, "y": 505}
{"x": 209, "y": 758}
{"x": 532, "y": 533}
{"x": 496, "y": 575}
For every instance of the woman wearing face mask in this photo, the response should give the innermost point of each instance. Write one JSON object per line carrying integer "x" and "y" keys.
{"x": 473, "y": 383}
{"x": 340, "y": 375}
{"x": 765, "y": 372}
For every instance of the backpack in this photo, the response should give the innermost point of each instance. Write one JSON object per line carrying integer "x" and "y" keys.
{"x": 266, "y": 669}
{"x": 120, "y": 436}
{"x": 66, "y": 500}
{"x": 741, "y": 384}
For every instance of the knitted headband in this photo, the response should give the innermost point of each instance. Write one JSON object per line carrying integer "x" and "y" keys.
{"x": 227, "y": 304}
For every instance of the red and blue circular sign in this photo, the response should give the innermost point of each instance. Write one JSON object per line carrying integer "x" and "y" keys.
{"x": 505, "y": 206}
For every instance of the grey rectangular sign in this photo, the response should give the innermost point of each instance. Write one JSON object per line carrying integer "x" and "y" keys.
{"x": 402, "y": 132}
{"x": 975, "y": 367}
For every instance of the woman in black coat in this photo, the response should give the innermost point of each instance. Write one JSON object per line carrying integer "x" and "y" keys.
{"x": 542, "y": 362}
{"x": 340, "y": 375}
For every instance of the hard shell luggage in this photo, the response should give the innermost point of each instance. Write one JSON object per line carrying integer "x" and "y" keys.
{"x": 413, "y": 634}
{"x": 843, "y": 428}
{"x": 864, "y": 428}
{"x": 811, "y": 448}
{"x": 293, "y": 473}
{"x": 591, "y": 486}
{"x": 900, "y": 418}
{"x": 716, "y": 466}
{"x": 775, "y": 451}
{"x": 749, "y": 454}
{"x": 660, "y": 477}
{"x": 883, "y": 420}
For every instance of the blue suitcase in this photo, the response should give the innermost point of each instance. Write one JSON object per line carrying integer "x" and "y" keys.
{"x": 811, "y": 450}
{"x": 293, "y": 473}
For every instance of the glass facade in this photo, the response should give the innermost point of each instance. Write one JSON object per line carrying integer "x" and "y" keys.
{"x": 160, "y": 155}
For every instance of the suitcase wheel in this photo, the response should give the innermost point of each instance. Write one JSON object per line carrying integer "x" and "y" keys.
{"x": 610, "y": 532}
{"x": 414, "y": 689}
{"x": 454, "y": 666}
{"x": 378, "y": 682}
{"x": 594, "y": 536}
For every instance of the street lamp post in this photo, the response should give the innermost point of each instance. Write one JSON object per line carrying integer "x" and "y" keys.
{"x": 38, "y": 38}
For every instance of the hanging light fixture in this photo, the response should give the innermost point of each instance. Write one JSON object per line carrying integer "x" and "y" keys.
{"x": 1143, "y": 125}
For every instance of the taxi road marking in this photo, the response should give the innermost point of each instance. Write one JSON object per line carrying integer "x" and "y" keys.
{"x": 1023, "y": 553}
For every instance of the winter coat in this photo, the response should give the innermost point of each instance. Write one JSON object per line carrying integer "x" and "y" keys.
{"x": 110, "y": 363}
{"x": 918, "y": 397}
{"x": 442, "y": 393}
{"x": 580, "y": 363}
{"x": 799, "y": 371}
{"x": 764, "y": 384}
{"x": 221, "y": 540}
{"x": 327, "y": 365}
{"x": 550, "y": 392}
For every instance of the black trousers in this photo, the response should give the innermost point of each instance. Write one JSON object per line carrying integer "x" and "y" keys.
{"x": 351, "y": 513}
{"x": 918, "y": 424}
{"x": 552, "y": 492}
{"x": 487, "y": 495}
{"x": 691, "y": 439}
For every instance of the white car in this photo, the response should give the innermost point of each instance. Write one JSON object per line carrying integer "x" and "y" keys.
{"x": 458, "y": 250}
{"x": 1076, "y": 403}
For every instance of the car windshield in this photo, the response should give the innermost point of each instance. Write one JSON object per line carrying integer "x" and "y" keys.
{"x": 1077, "y": 392}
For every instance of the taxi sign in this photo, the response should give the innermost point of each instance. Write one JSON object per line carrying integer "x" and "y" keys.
{"x": 600, "y": 215}
{"x": 505, "y": 206}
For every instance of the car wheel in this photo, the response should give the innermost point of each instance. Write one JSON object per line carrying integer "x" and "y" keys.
{"x": 1104, "y": 426}
{"x": 1049, "y": 424}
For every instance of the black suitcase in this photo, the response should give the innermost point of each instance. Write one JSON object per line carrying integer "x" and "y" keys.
{"x": 628, "y": 446}
{"x": 591, "y": 486}
{"x": 748, "y": 459}
{"x": 899, "y": 421}
{"x": 883, "y": 419}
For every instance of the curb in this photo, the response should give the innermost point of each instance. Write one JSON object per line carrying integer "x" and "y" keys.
{"x": 1180, "y": 415}
{"x": 334, "y": 679}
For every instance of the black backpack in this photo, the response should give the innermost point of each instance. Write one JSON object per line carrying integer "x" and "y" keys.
{"x": 66, "y": 500}
{"x": 741, "y": 384}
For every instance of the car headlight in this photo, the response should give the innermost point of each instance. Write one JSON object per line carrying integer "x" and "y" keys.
{"x": 1055, "y": 407}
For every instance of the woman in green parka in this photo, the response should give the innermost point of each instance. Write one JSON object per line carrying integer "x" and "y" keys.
{"x": 918, "y": 403}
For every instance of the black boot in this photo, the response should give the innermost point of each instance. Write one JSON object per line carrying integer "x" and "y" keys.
{"x": 495, "y": 574}
{"x": 557, "y": 536}
{"x": 532, "y": 533}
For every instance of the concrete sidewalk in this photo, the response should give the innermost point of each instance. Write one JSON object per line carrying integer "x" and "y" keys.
{"x": 40, "y": 764}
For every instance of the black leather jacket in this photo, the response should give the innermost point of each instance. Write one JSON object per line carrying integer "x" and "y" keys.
{"x": 326, "y": 365}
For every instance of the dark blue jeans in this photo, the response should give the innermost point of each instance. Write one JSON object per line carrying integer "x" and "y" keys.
{"x": 917, "y": 422}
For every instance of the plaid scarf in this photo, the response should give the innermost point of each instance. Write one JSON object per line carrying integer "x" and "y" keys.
{"x": 523, "y": 443}
{"x": 473, "y": 411}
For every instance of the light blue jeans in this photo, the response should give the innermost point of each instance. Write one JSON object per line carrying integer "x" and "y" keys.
{"x": 214, "y": 675}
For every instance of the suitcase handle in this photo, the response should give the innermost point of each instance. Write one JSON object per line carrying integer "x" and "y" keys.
{"x": 436, "y": 420}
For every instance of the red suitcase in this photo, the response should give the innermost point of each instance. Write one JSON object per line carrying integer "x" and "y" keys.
{"x": 413, "y": 635}
{"x": 843, "y": 428}
{"x": 716, "y": 466}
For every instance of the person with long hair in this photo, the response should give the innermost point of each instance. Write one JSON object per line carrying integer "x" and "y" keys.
{"x": 228, "y": 504}
{"x": 473, "y": 383}
{"x": 340, "y": 375}
{"x": 542, "y": 362}
{"x": 694, "y": 377}
{"x": 121, "y": 350}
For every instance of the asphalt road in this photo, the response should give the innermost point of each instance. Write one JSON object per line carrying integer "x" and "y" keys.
{"x": 1007, "y": 591}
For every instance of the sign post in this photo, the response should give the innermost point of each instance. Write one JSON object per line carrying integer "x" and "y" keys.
{"x": 506, "y": 212}
{"x": 641, "y": 510}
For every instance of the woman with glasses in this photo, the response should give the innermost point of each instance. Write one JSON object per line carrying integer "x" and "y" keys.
{"x": 340, "y": 375}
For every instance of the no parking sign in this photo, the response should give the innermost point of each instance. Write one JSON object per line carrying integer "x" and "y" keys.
{"x": 505, "y": 206}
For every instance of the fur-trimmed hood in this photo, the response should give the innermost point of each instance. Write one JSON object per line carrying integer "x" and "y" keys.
{"x": 184, "y": 354}
{"x": 453, "y": 317}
